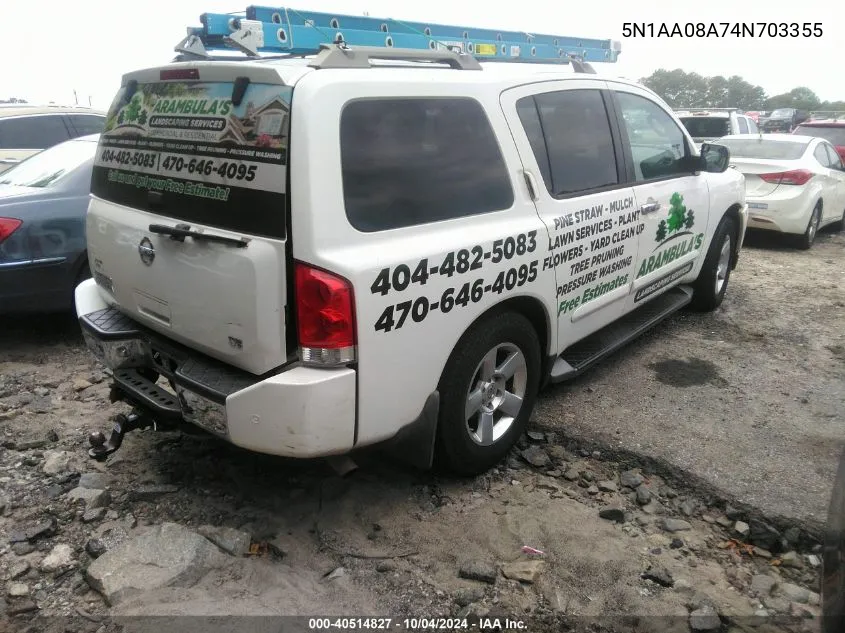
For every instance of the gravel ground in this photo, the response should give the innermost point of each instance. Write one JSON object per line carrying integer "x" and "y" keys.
{"x": 750, "y": 398}
{"x": 704, "y": 522}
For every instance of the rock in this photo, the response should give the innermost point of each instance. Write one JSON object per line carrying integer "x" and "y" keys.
{"x": 54, "y": 491}
{"x": 791, "y": 559}
{"x": 732, "y": 513}
{"x": 794, "y": 593}
{"x": 44, "y": 529}
{"x": 385, "y": 566}
{"x": 18, "y": 590}
{"x": 150, "y": 492}
{"x": 792, "y": 535}
{"x": 675, "y": 525}
{"x": 22, "y": 549}
{"x": 482, "y": 572}
{"x": 536, "y": 436}
{"x": 779, "y": 605}
{"x": 95, "y": 514}
{"x": 593, "y": 490}
{"x": 4, "y": 504}
{"x": 762, "y": 584}
{"x": 705, "y": 619}
{"x": 660, "y": 575}
{"x": 571, "y": 474}
{"x": 230, "y": 540}
{"x": 608, "y": 486}
{"x": 59, "y": 559}
{"x": 689, "y": 507}
{"x": 803, "y": 611}
{"x": 19, "y": 608}
{"x": 515, "y": 463}
{"x": 762, "y": 553}
{"x": 587, "y": 475}
{"x": 18, "y": 569}
{"x": 95, "y": 548}
{"x": 765, "y": 536}
{"x": 742, "y": 529}
{"x": 643, "y": 495}
{"x": 81, "y": 384}
{"x": 56, "y": 462}
{"x": 464, "y": 597}
{"x": 337, "y": 573}
{"x": 815, "y": 599}
{"x": 525, "y": 571}
{"x": 725, "y": 522}
{"x": 555, "y": 473}
{"x": 631, "y": 479}
{"x": 94, "y": 481}
{"x": 814, "y": 561}
{"x": 676, "y": 543}
{"x": 93, "y": 498}
{"x": 612, "y": 513}
{"x": 168, "y": 555}
{"x": 559, "y": 453}
{"x": 536, "y": 456}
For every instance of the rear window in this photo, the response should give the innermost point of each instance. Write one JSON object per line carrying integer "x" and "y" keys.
{"x": 707, "y": 127}
{"x": 51, "y": 166}
{"x": 764, "y": 149}
{"x": 411, "y": 161}
{"x": 185, "y": 151}
{"x": 835, "y": 135}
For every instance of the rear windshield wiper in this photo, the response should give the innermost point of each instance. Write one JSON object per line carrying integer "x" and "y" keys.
{"x": 181, "y": 231}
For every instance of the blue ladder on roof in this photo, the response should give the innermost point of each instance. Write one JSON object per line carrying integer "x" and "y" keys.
{"x": 291, "y": 31}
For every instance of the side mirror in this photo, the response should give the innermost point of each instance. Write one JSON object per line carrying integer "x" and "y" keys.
{"x": 714, "y": 158}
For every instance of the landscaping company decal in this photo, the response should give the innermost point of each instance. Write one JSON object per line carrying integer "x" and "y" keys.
{"x": 189, "y": 140}
{"x": 675, "y": 229}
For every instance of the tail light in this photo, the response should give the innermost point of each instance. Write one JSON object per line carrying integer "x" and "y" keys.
{"x": 325, "y": 317}
{"x": 8, "y": 226}
{"x": 794, "y": 177}
{"x": 840, "y": 149}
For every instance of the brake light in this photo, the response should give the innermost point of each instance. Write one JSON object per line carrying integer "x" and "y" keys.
{"x": 179, "y": 73}
{"x": 840, "y": 149}
{"x": 8, "y": 226}
{"x": 325, "y": 317}
{"x": 793, "y": 177}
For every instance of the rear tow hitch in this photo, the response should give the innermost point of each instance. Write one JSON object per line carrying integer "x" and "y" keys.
{"x": 123, "y": 424}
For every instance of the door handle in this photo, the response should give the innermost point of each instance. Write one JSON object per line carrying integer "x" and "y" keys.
{"x": 650, "y": 207}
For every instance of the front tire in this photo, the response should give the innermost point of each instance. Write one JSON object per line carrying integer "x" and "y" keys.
{"x": 805, "y": 242}
{"x": 712, "y": 283}
{"x": 487, "y": 390}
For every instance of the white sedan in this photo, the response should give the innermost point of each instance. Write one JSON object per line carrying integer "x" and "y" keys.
{"x": 793, "y": 184}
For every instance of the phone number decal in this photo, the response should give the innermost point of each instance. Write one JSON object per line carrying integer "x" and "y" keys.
{"x": 455, "y": 262}
{"x": 394, "y": 317}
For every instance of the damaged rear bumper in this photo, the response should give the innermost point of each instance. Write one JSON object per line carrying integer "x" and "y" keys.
{"x": 294, "y": 412}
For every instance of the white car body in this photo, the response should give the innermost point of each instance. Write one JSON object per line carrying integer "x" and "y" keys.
{"x": 229, "y": 315}
{"x": 775, "y": 203}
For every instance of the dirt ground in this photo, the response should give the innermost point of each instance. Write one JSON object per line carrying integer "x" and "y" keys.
{"x": 677, "y": 487}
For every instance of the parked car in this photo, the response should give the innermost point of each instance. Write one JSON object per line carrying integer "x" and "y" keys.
{"x": 793, "y": 184}
{"x": 27, "y": 129}
{"x": 784, "y": 120}
{"x": 831, "y": 129}
{"x": 833, "y": 558}
{"x": 705, "y": 125}
{"x": 287, "y": 294}
{"x": 43, "y": 202}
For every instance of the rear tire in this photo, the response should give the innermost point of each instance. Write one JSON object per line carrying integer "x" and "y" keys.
{"x": 805, "y": 242}
{"x": 487, "y": 392}
{"x": 712, "y": 283}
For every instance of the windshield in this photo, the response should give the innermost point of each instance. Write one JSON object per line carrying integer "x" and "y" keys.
{"x": 764, "y": 149}
{"x": 48, "y": 167}
{"x": 707, "y": 127}
{"x": 835, "y": 135}
{"x": 782, "y": 113}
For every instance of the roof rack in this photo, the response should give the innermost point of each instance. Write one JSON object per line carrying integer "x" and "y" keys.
{"x": 350, "y": 41}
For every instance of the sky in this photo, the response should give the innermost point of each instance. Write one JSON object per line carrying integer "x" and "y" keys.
{"x": 86, "y": 45}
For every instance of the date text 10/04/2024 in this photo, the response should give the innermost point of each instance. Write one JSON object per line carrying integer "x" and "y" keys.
{"x": 418, "y": 624}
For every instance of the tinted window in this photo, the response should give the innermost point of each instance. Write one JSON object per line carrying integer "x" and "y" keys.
{"x": 752, "y": 127}
{"x": 86, "y": 124}
{"x": 413, "y": 161}
{"x": 743, "y": 126}
{"x": 764, "y": 148}
{"x": 36, "y": 132}
{"x": 578, "y": 145}
{"x": 706, "y": 127}
{"x": 834, "y": 134}
{"x": 658, "y": 146}
{"x": 821, "y": 156}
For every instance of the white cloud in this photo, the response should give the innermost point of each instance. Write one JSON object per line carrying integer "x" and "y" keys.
{"x": 88, "y": 44}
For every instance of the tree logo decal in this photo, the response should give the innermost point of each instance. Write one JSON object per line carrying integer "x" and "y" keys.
{"x": 134, "y": 112}
{"x": 679, "y": 218}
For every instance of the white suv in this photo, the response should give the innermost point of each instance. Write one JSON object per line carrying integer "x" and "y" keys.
{"x": 709, "y": 124}
{"x": 308, "y": 256}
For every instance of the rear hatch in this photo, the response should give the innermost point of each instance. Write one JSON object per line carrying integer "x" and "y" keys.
{"x": 706, "y": 128}
{"x": 197, "y": 150}
{"x": 755, "y": 186}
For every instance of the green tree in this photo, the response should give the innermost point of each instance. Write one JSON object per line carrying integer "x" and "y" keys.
{"x": 133, "y": 110}
{"x": 661, "y": 231}
{"x": 800, "y": 98}
{"x": 142, "y": 117}
{"x": 677, "y": 213}
{"x": 690, "y": 219}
